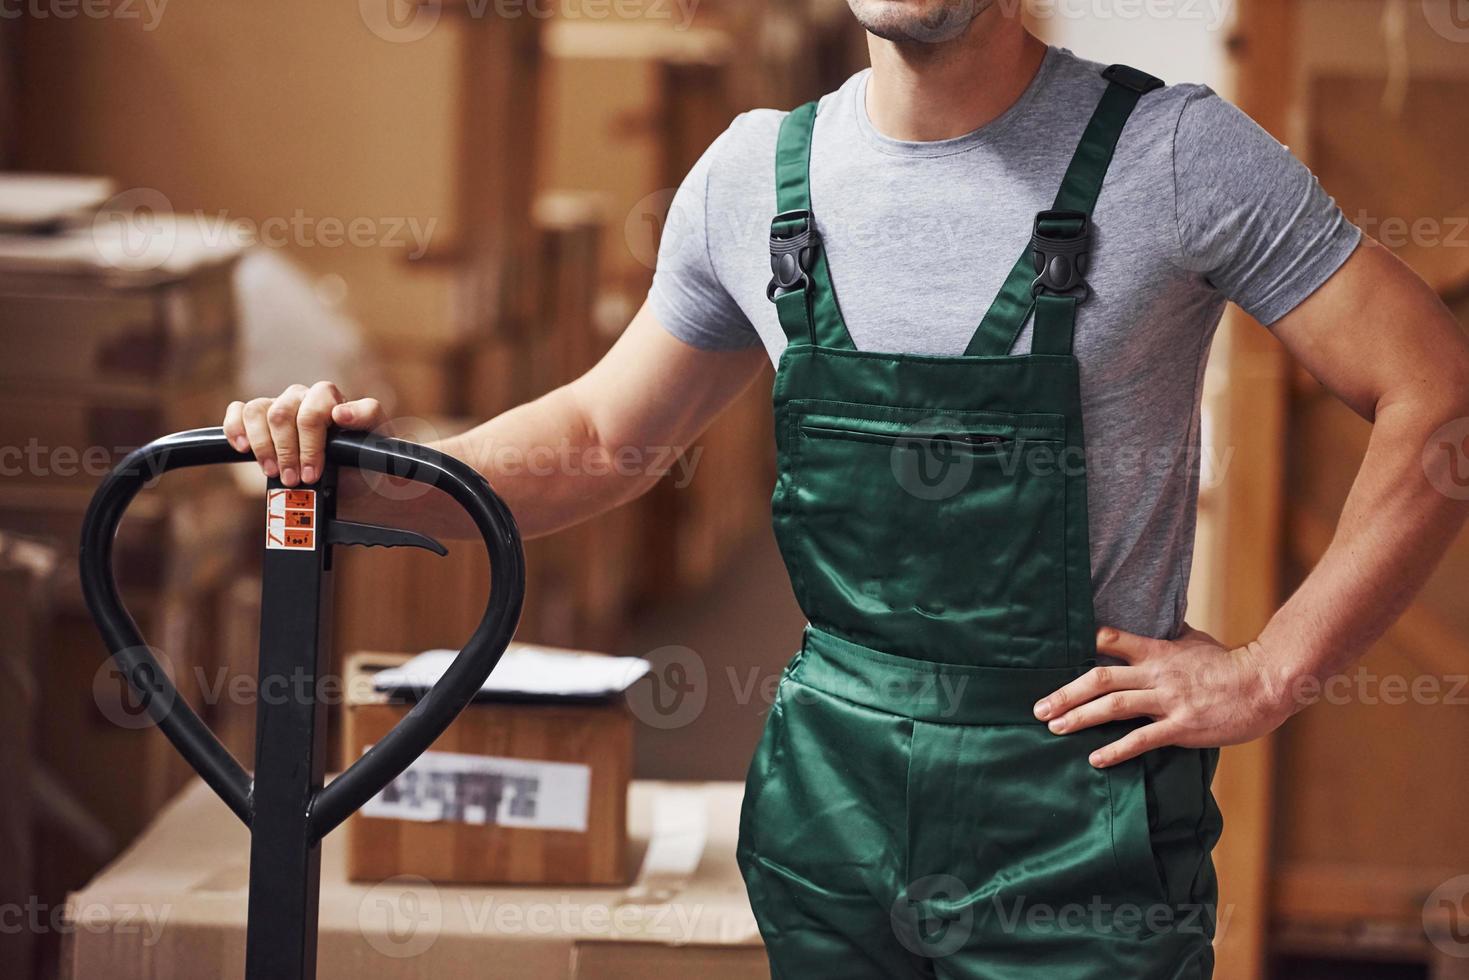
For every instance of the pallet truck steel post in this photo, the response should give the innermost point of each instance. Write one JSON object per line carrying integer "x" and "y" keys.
{"x": 285, "y": 805}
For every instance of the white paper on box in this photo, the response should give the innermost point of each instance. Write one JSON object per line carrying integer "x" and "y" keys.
{"x": 450, "y": 787}
{"x": 527, "y": 670}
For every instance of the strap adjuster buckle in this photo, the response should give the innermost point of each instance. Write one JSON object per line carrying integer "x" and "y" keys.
{"x": 1060, "y": 247}
{"x": 1130, "y": 78}
{"x": 792, "y": 252}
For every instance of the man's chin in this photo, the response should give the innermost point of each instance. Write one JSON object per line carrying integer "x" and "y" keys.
{"x": 918, "y": 21}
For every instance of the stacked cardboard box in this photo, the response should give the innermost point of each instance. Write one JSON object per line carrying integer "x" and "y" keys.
{"x": 561, "y": 257}
{"x": 652, "y": 99}
{"x": 26, "y": 567}
{"x": 174, "y": 906}
{"x": 107, "y": 348}
{"x": 573, "y": 755}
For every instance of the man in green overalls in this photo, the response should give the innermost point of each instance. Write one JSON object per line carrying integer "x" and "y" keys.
{"x": 991, "y": 757}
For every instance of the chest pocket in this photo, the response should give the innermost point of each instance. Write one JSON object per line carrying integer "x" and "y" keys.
{"x": 936, "y": 536}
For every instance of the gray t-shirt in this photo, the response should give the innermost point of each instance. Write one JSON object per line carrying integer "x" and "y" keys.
{"x": 1200, "y": 206}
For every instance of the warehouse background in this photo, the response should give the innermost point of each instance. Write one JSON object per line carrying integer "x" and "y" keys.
{"x": 457, "y": 207}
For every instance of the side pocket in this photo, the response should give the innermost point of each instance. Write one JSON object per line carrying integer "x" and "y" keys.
{"x": 762, "y": 764}
{"x": 1132, "y": 842}
{"x": 1183, "y": 820}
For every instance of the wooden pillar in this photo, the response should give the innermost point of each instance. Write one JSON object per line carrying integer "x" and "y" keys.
{"x": 1252, "y": 424}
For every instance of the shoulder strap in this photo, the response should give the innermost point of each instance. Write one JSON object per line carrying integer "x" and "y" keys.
{"x": 801, "y": 285}
{"x": 1048, "y": 276}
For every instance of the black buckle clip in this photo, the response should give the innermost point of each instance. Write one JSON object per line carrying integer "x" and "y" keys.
{"x": 792, "y": 255}
{"x": 1130, "y": 78}
{"x": 1061, "y": 259}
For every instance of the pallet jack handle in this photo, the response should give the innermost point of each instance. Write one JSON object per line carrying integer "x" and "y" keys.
{"x": 285, "y": 805}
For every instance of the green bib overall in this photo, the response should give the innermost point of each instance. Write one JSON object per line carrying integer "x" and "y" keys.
{"x": 905, "y": 814}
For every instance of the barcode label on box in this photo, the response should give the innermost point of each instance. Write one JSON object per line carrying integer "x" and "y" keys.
{"x": 447, "y": 787}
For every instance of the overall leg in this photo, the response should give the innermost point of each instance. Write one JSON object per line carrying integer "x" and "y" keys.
{"x": 822, "y": 839}
{"x": 1058, "y": 871}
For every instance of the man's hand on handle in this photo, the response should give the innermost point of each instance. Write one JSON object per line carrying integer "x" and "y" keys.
{"x": 288, "y": 433}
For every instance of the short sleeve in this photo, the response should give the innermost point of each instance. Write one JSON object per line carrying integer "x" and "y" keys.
{"x": 688, "y": 297}
{"x": 1252, "y": 219}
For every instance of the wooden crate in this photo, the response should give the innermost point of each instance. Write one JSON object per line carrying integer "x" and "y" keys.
{"x": 598, "y": 736}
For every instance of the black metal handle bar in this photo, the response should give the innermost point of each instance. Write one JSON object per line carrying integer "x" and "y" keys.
{"x": 428, "y": 718}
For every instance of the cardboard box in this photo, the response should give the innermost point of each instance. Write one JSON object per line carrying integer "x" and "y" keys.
{"x": 579, "y": 757}
{"x": 179, "y": 542}
{"x": 174, "y": 557}
{"x": 173, "y": 907}
{"x": 68, "y": 329}
{"x": 25, "y": 567}
{"x": 103, "y": 356}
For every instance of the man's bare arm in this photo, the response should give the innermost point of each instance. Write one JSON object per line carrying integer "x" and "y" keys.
{"x": 1378, "y": 338}
{"x": 571, "y": 454}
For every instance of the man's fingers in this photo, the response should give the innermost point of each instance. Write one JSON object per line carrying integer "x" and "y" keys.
{"x": 1127, "y": 646}
{"x": 364, "y": 413}
{"x": 288, "y": 433}
{"x": 1131, "y": 745}
{"x": 282, "y": 419}
{"x": 1095, "y": 682}
{"x": 312, "y": 420}
{"x": 234, "y": 426}
{"x": 257, "y": 430}
{"x": 1117, "y": 706}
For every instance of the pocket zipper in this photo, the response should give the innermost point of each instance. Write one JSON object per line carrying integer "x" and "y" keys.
{"x": 973, "y": 441}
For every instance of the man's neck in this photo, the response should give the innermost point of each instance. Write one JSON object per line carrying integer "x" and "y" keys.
{"x": 923, "y": 92}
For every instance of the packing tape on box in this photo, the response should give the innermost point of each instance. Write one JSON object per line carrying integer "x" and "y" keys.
{"x": 675, "y": 846}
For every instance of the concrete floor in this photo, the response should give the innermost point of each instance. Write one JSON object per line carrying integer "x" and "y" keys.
{"x": 717, "y": 656}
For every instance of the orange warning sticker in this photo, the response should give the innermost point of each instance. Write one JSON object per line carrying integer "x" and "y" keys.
{"x": 290, "y": 520}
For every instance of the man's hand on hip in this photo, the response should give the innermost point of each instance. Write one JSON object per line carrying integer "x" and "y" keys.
{"x": 1197, "y": 692}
